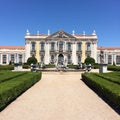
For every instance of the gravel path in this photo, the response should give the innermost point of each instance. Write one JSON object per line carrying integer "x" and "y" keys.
{"x": 59, "y": 96}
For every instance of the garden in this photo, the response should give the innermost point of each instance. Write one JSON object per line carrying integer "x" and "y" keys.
{"x": 106, "y": 85}
{"x": 13, "y": 84}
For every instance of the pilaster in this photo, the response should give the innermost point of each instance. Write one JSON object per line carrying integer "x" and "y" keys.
{"x": 74, "y": 59}
{"x": 38, "y": 50}
{"x": 47, "y": 53}
{"x": 27, "y": 50}
{"x": 83, "y": 51}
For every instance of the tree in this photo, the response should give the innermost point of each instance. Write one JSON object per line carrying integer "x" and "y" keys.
{"x": 31, "y": 60}
{"x": 90, "y": 60}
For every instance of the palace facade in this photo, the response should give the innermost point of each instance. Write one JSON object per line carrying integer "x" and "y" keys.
{"x": 59, "y": 48}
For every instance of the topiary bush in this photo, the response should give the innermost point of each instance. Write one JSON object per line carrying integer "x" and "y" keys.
{"x": 31, "y": 60}
{"x": 89, "y": 60}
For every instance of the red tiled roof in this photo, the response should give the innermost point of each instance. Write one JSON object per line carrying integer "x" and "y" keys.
{"x": 108, "y": 48}
{"x": 13, "y": 47}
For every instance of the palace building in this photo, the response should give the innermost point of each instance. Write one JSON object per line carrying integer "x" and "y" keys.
{"x": 59, "y": 48}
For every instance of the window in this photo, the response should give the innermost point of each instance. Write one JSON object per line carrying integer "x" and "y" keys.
{"x": 69, "y": 59}
{"x": 4, "y": 59}
{"x": 12, "y": 58}
{"x": 109, "y": 59}
{"x": 42, "y": 58}
{"x": 61, "y": 45}
{"x": 52, "y": 46}
{"x": 79, "y": 46}
{"x": 20, "y": 58}
{"x": 117, "y": 59}
{"x": 33, "y": 46}
{"x": 88, "y": 47}
{"x": 42, "y": 46}
{"x": 79, "y": 59}
{"x": 52, "y": 59}
{"x": 69, "y": 46}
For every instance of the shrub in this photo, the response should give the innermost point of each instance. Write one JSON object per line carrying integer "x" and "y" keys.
{"x": 90, "y": 60}
{"x": 113, "y": 68}
{"x": 73, "y": 66}
{"x": 31, "y": 60}
{"x": 109, "y": 90}
{"x": 50, "y": 66}
{"x": 96, "y": 66}
{"x": 6, "y": 67}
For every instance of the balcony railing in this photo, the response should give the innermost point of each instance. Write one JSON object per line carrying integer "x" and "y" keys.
{"x": 33, "y": 52}
{"x": 42, "y": 51}
{"x": 79, "y": 51}
{"x": 88, "y": 52}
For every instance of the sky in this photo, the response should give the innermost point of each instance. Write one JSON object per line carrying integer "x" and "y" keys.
{"x": 16, "y": 16}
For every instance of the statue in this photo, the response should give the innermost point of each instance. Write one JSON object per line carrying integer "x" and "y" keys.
{"x": 101, "y": 57}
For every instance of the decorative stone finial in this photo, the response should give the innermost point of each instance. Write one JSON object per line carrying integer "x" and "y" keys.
{"x": 73, "y": 32}
{"x": 94, "y": 32}
{"x": 48, "y": 32}
{"x": 27, "y": 32}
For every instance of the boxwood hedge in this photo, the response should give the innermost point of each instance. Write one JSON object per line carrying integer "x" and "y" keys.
{"x": 113, "y": 68}
{"x": 11, "y": 89}
{"x": 107, "y": 89}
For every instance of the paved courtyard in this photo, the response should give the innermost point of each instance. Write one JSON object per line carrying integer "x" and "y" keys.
{"x": 59, "y": 96}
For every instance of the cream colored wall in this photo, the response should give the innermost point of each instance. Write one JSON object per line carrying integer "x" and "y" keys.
{"x": 83, "y": 51}
{"x": 38, "y": 51}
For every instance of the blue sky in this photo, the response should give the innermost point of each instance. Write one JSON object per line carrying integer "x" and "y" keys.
{"x": 16, "y": 16}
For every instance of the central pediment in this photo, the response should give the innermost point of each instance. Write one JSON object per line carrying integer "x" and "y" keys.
{"x": 60, "y": 34}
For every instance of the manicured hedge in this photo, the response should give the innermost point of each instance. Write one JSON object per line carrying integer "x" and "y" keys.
{"x": 6, "y": 67}
{"x": 50, "y": 66}
{"x": 109, "y": 90}
{"x": 113, "y": 77}
{"x": 8, "y": 75}
{"x": 113, "y": 68}
{"x": 73, "y": 66}
{"x": 10, "y": 90}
